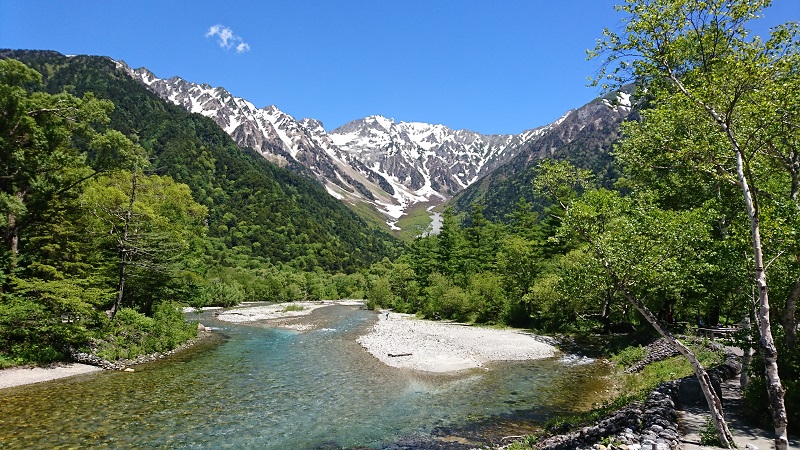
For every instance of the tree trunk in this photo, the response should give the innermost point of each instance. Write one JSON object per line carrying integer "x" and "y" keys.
{"x": 775, "y": 389}
{"x": 789, "y": 323}
{"x": 124, "y": 249}
{"x": 747, "y": 350}
{"x": 12, "y": 234}
{"x": 714, "y": 402}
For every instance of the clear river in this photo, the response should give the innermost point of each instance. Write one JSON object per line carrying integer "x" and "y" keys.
{"x": 254, "y": 386}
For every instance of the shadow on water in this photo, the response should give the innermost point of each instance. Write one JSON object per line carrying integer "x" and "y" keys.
{"x": 259, "y": 387}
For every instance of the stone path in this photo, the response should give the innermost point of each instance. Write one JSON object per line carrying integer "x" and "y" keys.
{"x": 693, "y": 419}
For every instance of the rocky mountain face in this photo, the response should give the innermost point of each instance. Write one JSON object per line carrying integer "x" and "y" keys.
{"x": 375, "y": 160}
{"x": 583, "y": 136}
{"x": 390, "y": 165}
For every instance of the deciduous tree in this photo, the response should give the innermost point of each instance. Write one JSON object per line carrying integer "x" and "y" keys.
{"x": 716, "y": 84}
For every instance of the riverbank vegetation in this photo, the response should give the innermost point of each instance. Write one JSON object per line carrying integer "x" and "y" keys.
{"x": 638, "y": 371}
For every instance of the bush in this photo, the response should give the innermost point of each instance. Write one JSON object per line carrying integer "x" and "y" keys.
{"x": 379, "y": 294}
{"x": 755, "y": 394}
{"x": 42, "y": 320}
{"x": 290, "y": 308}
{"x": 222, "y": 293}
{"x": 487, "y": 298}
{"x": 445, "y": 300}
{"x": 708, "y": 435}
{"x": 134, "y": 334}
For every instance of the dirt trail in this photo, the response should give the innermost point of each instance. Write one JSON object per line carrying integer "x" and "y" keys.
{"x": 693, "y": 420}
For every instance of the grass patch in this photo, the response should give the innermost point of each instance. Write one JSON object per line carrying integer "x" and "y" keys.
{"x": 6, "y": 362}
{"x": 669, "y": 369}
{"x": 370, "y": 215}
{"x": 415, "y": 222}
{"x": 290, "y": 308}
{"x": 629, "y": 356}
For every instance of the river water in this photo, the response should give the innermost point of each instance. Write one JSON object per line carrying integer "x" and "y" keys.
{"x": 271, "y": 388}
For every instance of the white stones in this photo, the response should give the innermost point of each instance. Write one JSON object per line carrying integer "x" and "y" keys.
{"x": 447, "y": 347}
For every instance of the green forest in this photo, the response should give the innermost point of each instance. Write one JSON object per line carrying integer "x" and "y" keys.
{"x": 117, "y": 208}
{"x": 116, "y": 202}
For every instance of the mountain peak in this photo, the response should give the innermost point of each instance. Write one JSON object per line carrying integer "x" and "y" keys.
{"x": 376, "y": 160}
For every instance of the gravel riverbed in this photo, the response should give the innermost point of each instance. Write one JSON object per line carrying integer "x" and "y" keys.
{"x": 403, "y": 341}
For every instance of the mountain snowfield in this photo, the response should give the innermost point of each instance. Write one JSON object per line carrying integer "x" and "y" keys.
{"x": 389, "y": 165}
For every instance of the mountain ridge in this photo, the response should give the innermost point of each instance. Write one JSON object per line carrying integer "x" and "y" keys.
{"x": 389, "y": 165}
{"x": 584, "y": 136}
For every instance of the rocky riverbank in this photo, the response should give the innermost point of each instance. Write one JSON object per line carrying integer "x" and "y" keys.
{"x": 401, "y": 340}
{"x": 283, "y": 315}
{"x": 643, "y": 425}
{"x": 123, "y": 364}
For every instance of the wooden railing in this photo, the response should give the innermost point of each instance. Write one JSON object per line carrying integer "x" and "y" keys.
{"x": 713, "y": 333}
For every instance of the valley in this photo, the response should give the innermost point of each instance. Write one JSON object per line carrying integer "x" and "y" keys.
{"x": 136, "y": 211}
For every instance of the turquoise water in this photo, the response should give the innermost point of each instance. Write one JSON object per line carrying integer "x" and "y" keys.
{"x": 277, "y": 389}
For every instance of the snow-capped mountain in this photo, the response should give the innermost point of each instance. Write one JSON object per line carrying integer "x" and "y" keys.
{"x": 421, "y": 161}
{"x": 389, "y": 165}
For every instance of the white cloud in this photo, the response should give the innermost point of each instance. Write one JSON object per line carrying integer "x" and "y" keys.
{"x": 242, "y": 47}
{"x": 227, "y": 39}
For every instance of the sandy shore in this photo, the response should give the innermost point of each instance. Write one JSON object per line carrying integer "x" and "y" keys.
{"x": 401, "y": 340}
{"x": 17, "y": 376}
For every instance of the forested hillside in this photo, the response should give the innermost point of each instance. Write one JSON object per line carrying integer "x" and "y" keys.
{"x": 584, "y": 137}
{"x": 117, "y": 208}
{"x": 256, "y": 209}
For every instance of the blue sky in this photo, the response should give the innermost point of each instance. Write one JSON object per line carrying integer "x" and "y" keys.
{"x": 493, "y": 67}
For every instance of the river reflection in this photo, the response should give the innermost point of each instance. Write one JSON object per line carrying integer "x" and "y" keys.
{"x": 272, "y": 388}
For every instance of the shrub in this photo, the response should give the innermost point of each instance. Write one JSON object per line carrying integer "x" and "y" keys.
{"x": 222, "y": 293}
{"x": 42, "y": 319}
{"x": 708, "y": 435}
{"x": 445, "y": 300}
{"x": 379, "y": 294}
{"x": 289, "y": 308}
{"x": 134, "y": 334}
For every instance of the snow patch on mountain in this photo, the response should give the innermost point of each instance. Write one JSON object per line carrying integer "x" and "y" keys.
{"x": 376, "y": 160}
